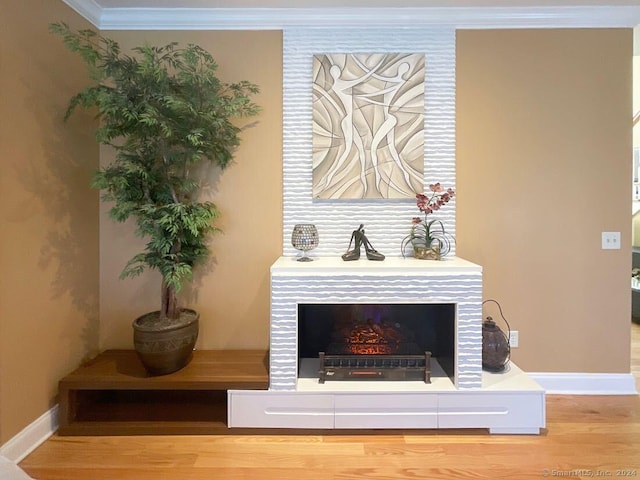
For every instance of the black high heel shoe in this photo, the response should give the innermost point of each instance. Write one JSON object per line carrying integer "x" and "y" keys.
{"x": 372, "y": 253}
{"x": 356, "y": 239}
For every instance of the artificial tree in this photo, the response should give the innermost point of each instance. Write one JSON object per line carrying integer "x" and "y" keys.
{"x": 165, "y": 112}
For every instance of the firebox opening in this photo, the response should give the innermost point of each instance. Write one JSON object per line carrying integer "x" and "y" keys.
{"x": 378, "y": 329}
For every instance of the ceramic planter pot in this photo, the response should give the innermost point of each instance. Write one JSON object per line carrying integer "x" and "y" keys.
{"x": 165, "y": 346}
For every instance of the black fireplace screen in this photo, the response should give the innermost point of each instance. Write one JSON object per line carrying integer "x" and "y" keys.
{"x": 372, "y": 330}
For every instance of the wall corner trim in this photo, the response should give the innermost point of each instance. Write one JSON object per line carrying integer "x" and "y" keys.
{"x": 31, "y": 437}
{"x": 586, "y": 383}
{"x": 264, "y": 18}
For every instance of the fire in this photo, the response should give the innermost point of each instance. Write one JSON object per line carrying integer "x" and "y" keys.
{"x": 364, "y": 349}
{"x": 373, "y": 339}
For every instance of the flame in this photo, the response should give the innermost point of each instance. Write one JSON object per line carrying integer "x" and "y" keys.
{"x": 379, "y": 349}
{"x": 373, "y": 339}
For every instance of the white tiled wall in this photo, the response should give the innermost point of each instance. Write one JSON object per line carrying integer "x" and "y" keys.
{"x": 386, "y": 221}
{"x": 461, "y": 288}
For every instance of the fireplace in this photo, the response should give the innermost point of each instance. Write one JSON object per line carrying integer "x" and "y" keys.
{"x": 350, "y": 307}
{"x": 439, "y": 301}
{"x": 376, "y": 341}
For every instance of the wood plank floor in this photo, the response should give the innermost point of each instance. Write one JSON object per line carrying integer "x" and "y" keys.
{"x": 635, "y": 352}
{"x": 586, "y": 437}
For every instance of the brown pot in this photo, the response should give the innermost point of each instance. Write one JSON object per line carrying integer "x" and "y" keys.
{"x": 165, "y": 346}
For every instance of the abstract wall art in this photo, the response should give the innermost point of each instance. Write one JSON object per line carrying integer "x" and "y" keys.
{"x": 368, "y": 125}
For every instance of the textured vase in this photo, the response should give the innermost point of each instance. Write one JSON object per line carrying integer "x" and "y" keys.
{"x": 426, "y": 253}
{"x": 304, "y": 237}
{"x": 165, "y": 346}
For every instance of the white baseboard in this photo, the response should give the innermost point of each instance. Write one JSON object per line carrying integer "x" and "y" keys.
{"x": 586, "y": 383}
{"x": 31, "y": 437}
{"x": 11, "y": 471}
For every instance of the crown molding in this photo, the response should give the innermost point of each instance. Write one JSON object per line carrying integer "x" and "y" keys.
{"x": 89, "y": 9}
{"x": 281, "y": 18}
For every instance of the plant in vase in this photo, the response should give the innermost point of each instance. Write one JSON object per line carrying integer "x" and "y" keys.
{"x": 165, "y": 113}
{"x": 427, "y": 238}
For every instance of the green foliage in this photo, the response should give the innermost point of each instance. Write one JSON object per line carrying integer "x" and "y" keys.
{"x": 165, "y": 112}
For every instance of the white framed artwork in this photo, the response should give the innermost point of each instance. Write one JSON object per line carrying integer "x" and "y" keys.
{"x": 368, "y": 125}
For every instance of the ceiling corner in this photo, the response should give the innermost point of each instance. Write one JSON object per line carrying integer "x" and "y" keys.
{"x": 88, "y": 9}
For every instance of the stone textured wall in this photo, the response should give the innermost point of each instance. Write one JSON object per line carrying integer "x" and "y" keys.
{"x": 462, "y": 289}
{"x": 386, "y": 221}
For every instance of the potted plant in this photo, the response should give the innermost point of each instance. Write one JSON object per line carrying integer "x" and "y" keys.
{"x": 428, "y": 238}
{"x": 165, "y": 112}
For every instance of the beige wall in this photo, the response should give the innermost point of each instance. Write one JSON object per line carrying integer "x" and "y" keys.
{"x": 48, "y": 216}
{"x": 544, "y": 155}
{"x": 636, "y": 90}
{"x": 232, "y": 293}
{"x": 544, "y": 145}
{"x": 544, "y": 150}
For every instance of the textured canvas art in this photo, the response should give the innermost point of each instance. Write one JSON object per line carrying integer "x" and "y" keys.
{"x": 368, "y": 125}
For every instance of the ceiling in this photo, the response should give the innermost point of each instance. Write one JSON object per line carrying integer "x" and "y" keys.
{"x": 278, "y": 14}
{"x": 349, "y": 3}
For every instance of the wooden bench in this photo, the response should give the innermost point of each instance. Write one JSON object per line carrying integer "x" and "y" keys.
{"x": 113, "y": 395}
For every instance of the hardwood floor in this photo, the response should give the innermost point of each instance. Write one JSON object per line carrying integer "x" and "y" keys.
{"x": 586, "y": 437}
{"x": 635, "y": 353}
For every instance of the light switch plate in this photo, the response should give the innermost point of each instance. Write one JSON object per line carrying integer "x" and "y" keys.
{"x": 514, "y": 338}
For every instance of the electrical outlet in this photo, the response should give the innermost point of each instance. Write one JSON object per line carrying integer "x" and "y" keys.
{"x": 611, "y": 240}
{"x": 514, "y": 336}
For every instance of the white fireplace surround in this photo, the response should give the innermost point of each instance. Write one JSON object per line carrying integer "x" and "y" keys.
{"x": 395, "y": 280}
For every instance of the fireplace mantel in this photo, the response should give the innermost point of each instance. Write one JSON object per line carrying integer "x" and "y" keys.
{"x": 399, "y": 266}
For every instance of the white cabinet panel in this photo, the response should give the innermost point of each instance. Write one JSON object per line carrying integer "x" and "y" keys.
{"x": 386, "y": 411}
{"x": 259, "y": 409}
{"x": 498, "y": 411}
{"x": 511, "y": 403}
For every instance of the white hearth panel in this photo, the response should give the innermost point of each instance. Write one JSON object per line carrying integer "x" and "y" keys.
{"x": 507, "y": 403}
